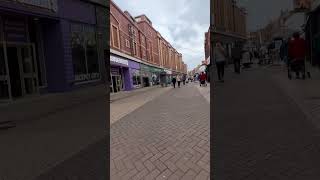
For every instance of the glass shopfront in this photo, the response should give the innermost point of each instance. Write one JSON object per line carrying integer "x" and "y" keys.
{"x": 117, "y": 80}
{"x": 84, "y": 53}
{"x": 136, "y": 78}
{"x": 20, "y": 65}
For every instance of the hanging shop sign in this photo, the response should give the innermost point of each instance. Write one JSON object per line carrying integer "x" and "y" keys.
{"x": 119, "y": 60}
{"x": 45, "y": 4}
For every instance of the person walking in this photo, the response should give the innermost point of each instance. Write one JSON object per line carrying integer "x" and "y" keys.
{"x": 184, "y": 79}
{"x": 174, "y": 80}
{"x": 219, "y": 54}
{"x": 203, "y": 78}
{"x": 297, "y": 52}
{"x": 236, "y": 56}
{"x": 179, "y": 80}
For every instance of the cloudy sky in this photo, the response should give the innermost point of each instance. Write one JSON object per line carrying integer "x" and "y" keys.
{"x": 261, "y": 11}
{"x": 181, "y": 22}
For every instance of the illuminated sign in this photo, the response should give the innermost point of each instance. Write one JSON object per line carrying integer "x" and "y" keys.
{"x": 46, "y": 4}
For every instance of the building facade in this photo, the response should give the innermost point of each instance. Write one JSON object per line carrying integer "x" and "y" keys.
{"x": 48, "y": 47}
{"x": 133, "y": 40}
{"x": 228, "y": 23}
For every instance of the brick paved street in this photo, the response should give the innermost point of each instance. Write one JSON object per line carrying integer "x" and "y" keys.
{"x": 167, "y": 138}
{"x": 259, "y": 132}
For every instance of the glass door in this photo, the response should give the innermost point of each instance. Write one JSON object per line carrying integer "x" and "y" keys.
{"x": 22, "y": 68}
{"x": 119, "y": 83}
{"x": 28, "y": 68}
{"x": 5, "y": 88}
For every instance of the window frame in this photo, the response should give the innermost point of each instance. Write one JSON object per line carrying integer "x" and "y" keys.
{"x": 128, "y": 43}
{"x": 118, "y": 34}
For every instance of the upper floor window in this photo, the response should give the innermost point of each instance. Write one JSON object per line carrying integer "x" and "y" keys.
{"x": 127, "y": 43}
{"x": 115, "y": 36}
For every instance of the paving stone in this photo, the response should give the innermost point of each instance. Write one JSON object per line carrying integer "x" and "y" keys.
{"x": 159, "y": 135}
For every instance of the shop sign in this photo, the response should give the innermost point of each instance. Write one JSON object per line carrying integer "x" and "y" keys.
{"x": 168, "y": 71}
{"x": 46, "y": 4}
{"x": 145, "y": 68}
{"x": 87, "y": 77}
{"x": 119, "y": 60}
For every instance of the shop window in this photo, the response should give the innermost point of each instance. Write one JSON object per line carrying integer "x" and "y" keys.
{"x": 135, "y": 48}
{"x": 136, "y": 79}
{"x": 84, "y": 53}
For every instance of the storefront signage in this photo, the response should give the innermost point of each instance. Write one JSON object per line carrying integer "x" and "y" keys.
{"x": 46, "y": 4}
{"x": 119, "y": 60}
{"x": 87, "y": 77}
{"x": 168, "y": 71}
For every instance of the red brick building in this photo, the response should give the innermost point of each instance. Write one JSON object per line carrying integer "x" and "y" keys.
{"x": 138, "y": 51}
{"x": 142, "y": 41}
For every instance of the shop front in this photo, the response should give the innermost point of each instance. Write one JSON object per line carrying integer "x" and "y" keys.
{"x": 168, "y": 76}
{"x": 119, "y": 74}
{"x": 156, "y": 72}
{"x": 146, "y": 75}
{"x": 22, "y": 41}
{"x": 135, "y": 75}
{"x": 49, "y": 48}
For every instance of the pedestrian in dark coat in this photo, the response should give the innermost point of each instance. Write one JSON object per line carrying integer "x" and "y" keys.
{"x": 174, "y": 80}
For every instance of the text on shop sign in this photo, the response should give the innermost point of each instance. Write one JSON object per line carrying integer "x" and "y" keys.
{"x": 119, "y": 60}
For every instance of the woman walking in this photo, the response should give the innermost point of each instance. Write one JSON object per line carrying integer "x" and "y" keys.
{"x": 220, "y": 60}
{"x": 179, "y": 80}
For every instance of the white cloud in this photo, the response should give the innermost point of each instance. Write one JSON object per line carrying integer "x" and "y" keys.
{"x": 181, "y": 22}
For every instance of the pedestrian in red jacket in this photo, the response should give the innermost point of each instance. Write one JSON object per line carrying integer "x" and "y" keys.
{"x": 203, "y": 79}
{"x": 297, "y": 52}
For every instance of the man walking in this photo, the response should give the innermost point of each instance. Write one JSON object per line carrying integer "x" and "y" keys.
{"x": 297, "y": 52}
{"x": 179, "y": 80}
{"x": 174, "y": 80}
{"x": 220, "y": 60}
{"x": 236, "y": 56}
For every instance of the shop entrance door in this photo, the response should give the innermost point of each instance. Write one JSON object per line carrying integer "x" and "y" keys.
{"x": 22, "y": 69}
{"x": 117, "y": 83}
{"x": 5, "y": 89}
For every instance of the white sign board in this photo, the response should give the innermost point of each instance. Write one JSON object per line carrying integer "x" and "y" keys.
{"x": 119, "y": 60}
{"x": 168, "y": 72}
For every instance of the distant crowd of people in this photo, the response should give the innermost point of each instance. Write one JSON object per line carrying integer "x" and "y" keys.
{"x": 292, "y": 51}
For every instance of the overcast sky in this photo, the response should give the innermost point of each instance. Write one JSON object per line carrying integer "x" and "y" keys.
{"x": 181, "y": 22}
{"x": 261, "y": 11}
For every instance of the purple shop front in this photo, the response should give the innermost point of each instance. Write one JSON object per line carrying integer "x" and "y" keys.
{"x": 134, "y": 71}
{"x": 120, "y": 67}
